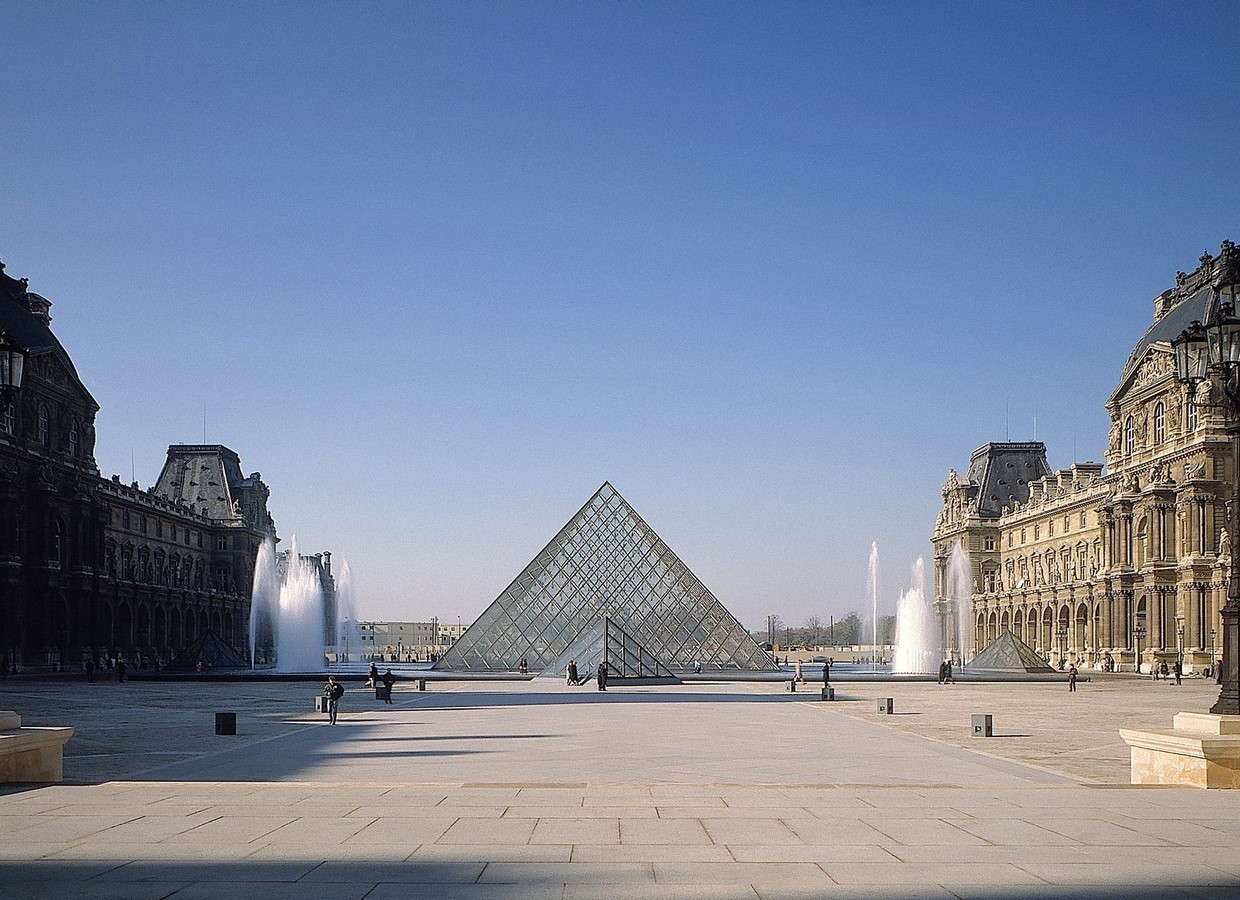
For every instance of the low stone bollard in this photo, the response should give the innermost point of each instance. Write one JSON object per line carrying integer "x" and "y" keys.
{"x": 421, "y": 684}
{"x": 886, "y": 705}
{"x": 828, "y": 693}
{"x": 983, "y": 725}
{"x": 320, "y": 704}
{"x": 792, "y": 686}
{"x": 225, "y": 723}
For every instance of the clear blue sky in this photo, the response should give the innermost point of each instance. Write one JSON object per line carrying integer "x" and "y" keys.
{"x": 438, "y": 270}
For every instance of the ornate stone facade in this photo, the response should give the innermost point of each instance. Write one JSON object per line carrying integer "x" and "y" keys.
{"x": 1128, "y": 561}
{"x": 94, "y": 567}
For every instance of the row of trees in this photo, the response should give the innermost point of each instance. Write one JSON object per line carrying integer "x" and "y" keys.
{"x": 831, "y": 632}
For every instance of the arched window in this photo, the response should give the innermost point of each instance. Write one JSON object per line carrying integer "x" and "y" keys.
{"x": 1130, "y": 436}
{"x": 58, "y": 544}
{"x": 1190, "y": 413}
{"x": 45, "y": 427}
{"x": 1160, "y": 423}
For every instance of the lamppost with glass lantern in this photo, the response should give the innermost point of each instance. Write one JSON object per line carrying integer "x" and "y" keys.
{"x": 1213, "y": 633}
{"x": 1210, "y": 350}
{"x": 1138, "y": 632}
{"x": 12, "y": 365}
{"x": 1063, "y": 645}
{"x": 1179, "y": 633}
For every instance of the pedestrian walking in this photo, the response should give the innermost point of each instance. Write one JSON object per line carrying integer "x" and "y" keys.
{"x": 372, "y": 676}
{"x": 388, "y": 680}
{"x": 602, "y": 675}
{"x": 1179, "y": 671}
{"x": 90, "y": 669}
{"x": 942, "y": 672}
{"x": 800, "y": 674}
{"x": 947, "y": 673}
{"x": 1072, "y": 678}
{"x": 572, "y": 673}
{"x": 333, "y": 691}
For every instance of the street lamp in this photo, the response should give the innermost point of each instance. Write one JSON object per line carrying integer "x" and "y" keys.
{"x": 1179, "y": 632}
{"x": 1213, "y": 633}
{"x": 1063, "y": 644}
{"x": 1211, "y": 350}
{"x": 1138, "y": 632}
{"x": 12, "y": 364}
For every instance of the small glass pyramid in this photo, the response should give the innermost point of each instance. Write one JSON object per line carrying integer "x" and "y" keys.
{"x": 607, "y": 563}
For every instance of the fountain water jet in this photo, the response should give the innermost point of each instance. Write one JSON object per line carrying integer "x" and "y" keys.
{"x": 874, "y": 598}
{"x": 919, "y": 649}
{"x": 958, "y": 588}
{"x": 347, "y": 634}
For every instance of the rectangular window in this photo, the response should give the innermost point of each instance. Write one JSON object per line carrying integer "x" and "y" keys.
{"x": 1022, "y": 536}
{"x": 221, "y": 542}
{"x": 125, "y": 520}
{"x": 159, "y": 528}
{"x": 1050, "y": 528}
{"x": 1082, "y": 518}
{"x": 143, "y": 524}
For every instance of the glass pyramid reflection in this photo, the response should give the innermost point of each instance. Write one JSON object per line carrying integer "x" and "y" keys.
{"x": 606, "y": 641}
{"x": 606, "y": 563}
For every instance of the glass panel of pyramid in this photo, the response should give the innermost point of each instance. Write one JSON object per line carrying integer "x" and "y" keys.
{"x": 607, "y": 563}
{"x": 606, "y": 640}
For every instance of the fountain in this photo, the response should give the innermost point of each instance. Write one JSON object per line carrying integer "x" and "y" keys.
{"x": 919, "y": 650}
{"x": 874, "y": 598}
{"x": 348, "y": 634}
{"x": 288, "y": 604}
{"x": 958, "y": 588}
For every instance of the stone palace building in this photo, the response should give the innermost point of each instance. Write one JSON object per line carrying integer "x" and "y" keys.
{"x": 1127, "y": 560}
{"x": 93, "y": 567}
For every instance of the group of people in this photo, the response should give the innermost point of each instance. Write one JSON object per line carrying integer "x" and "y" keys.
{"x": 574, "y": 678}
{"x": 945, "y": 672}
{"x": 1160, "y": 670}
{"x": 373, "y": 680}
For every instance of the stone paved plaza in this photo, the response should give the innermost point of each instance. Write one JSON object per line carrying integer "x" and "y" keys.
{"x": 524, "y": 790}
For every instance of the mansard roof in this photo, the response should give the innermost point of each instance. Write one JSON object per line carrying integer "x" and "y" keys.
{"x": 29, "y": 331}
{"x": 205, "y": 476}
{"x": 1175, "y": 310}
{"x": 1003, "y": 471}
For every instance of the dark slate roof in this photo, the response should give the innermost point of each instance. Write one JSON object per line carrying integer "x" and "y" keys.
{"x": 202, "y": 476}
{"x": 1168, "y": 327}
{"x": 27, "y": 330}
{"x": 1003, "y": 470}
{"x": 1008, "y": 653}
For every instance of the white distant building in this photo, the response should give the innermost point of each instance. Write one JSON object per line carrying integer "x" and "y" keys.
{"x": 409, "y": 641}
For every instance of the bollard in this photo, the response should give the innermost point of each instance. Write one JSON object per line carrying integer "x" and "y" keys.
{"x": 983, "y": 725}
{"x": 792, "y": 685}
{"x": 421, "y": 684}
{"x": 886, "y": 705}
{"x": 226, "y": 723}
{"x": 320, "y": 704}
{"x": 828, "y": 692}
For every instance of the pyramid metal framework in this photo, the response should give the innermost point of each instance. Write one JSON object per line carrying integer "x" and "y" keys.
{"x": 605, "y": 641}
{"x": 607, "y": 563}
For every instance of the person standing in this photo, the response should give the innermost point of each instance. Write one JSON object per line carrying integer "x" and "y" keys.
{"x": 1179, "y": 671}
{"x": 602, "y": 675}
{"x": 800, "y": 674}
{"x": 1072, "y": 677}
{"x": 372, "y": 676}
{"x": 572, "y": 672}
{"x": 333, "y": 692}
{"x": 90, "y": 668}
{"x": 388, "y": 680}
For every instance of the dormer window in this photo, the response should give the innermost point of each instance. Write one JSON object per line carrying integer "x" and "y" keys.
{"x": 1130, "y": 436}
{"x": 1160, "y": 424}
{"x": 45, "y": 427}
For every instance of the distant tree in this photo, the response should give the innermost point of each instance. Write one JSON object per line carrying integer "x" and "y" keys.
{"x": 886, "y": 629}
{"x": 814, "y": 626}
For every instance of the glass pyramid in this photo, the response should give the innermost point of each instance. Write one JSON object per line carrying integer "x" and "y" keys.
{"x": 606, "y": 563}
